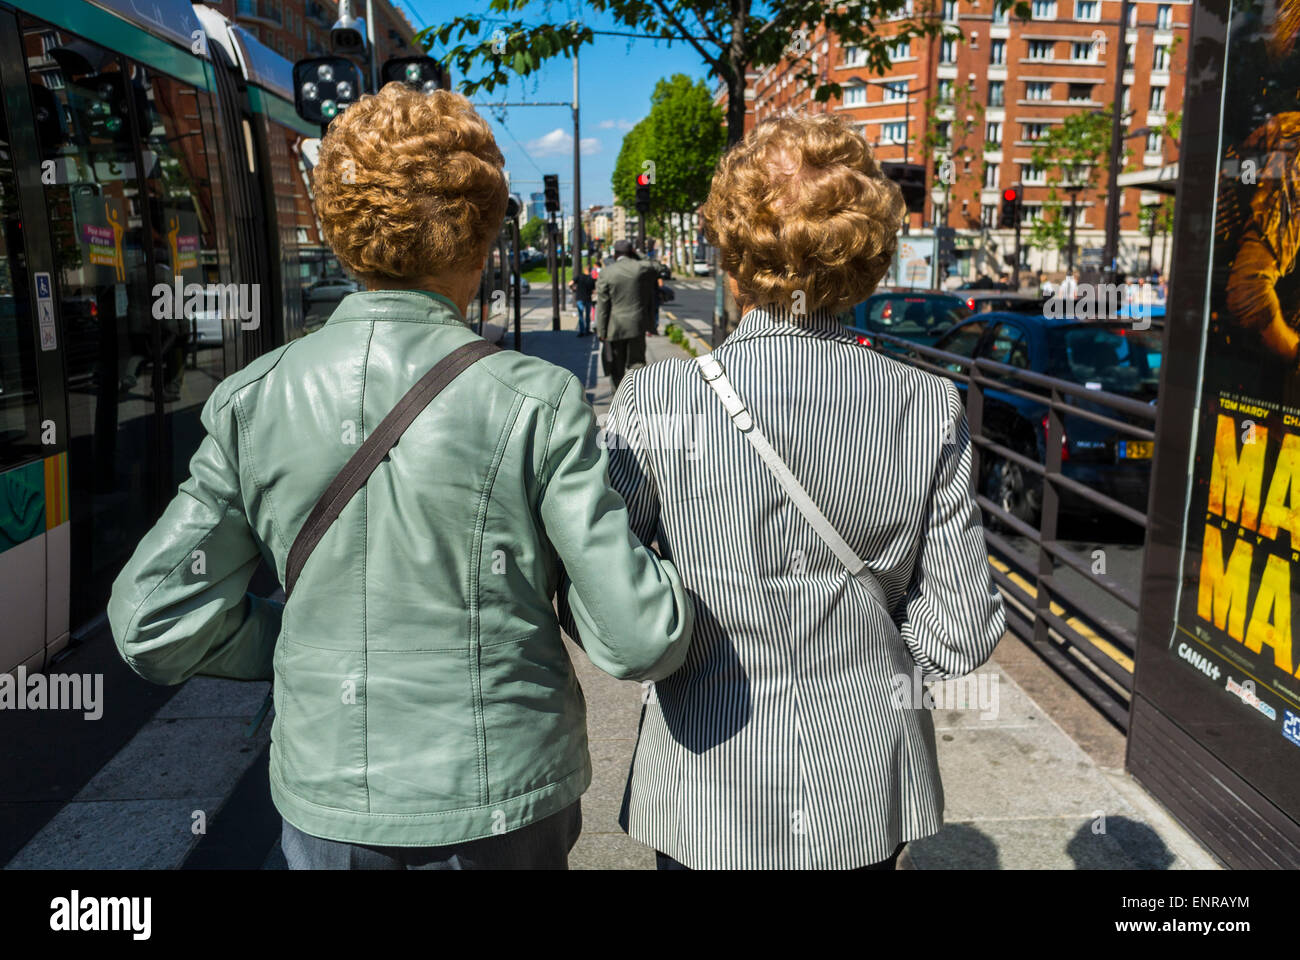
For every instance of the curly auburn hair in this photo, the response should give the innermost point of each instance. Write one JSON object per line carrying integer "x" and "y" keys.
{"x": 802, "y": 205}
{"x": 409, "y": 185}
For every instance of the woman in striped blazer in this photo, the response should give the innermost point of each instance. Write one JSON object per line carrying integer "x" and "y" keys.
{"x": 789, "y": 738}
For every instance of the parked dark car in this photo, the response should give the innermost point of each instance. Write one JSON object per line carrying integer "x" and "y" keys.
{"x": 1101, "y": 355}
{"x": 921, "y": 316}
{"x": 1002, "y": 301}
{"x": 985, "y": 283}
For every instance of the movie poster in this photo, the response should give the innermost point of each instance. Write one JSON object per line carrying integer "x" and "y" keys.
{"x": 1236, "y": 624}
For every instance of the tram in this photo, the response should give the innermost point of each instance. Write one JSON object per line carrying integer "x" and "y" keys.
{"x": 143, "y": 143}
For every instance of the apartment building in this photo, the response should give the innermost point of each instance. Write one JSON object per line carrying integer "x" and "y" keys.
{"x": 982, "y": 99}
{"x": 296, "y": 29}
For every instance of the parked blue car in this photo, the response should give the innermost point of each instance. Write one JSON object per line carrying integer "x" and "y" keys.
{"x": 921, "y": 316}
{"x": 1113, "y": 356}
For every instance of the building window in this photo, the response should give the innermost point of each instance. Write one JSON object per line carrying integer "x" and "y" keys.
{"x": 1044, "y": 9}
{"x": 1158, "y": 99}
{"x": 1031, "y": 212}
{"x": 1031, "y": 174}
{"x": 1041, "y": 49}
{"x": 997, "y": 52}
{"x": 991, "y": 175}
{"x": 1080, "y": 92}
{"x": 950, "y": 9}
{"x": 855, "y": 57}
{"x": 1038, "y": 91}
{"x": 855, "y": 96}
{"x": 997, "y": 93}
{"x": 893, "y": 132}
{"x": 1164, "y": 17}
{"x": 1035, "y": 131}
{"x": 1087, "y": 10}
{"x": 897, "y": 92}
{"x": 1160, "y": 58}
{"x": 1133, "y": 15}
{"x": 1126, "y": 100}
{"x": 1000, "y": 15}
{"x": 1128, "y": 54}
{"x": 988, "y": 214}
{"x": 948, "y": 50}
{"x": 993, "y": 133}
{"x": 945, "y": 91}
{"x": 906, "y": 11}
{"x": 1155, "y": 142}
{"x": 901, "y": 50}
{"x": 943, "y": 132}
{"x": 1086, "y": 50}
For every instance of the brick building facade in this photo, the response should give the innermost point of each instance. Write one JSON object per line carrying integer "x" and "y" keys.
{"x": 983, "y": 100}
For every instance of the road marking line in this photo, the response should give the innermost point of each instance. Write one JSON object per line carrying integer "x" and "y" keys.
{"x": 1105, "y": 646}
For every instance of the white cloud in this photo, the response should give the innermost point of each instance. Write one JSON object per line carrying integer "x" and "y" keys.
{"x": 559, "y": 142}
{"x": 619, "y": 124}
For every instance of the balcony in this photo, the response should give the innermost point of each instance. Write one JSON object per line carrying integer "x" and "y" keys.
{"x": 258, "y": 11}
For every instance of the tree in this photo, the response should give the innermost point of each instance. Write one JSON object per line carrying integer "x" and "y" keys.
{"x": 533, "y": 233}
{"x": 1071, "y": 155}
{"x": 731, "y": 37}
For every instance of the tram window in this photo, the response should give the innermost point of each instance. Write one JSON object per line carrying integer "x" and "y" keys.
{"x": 96, "y": 213}
{"x": 19, "y": 405}
{"x": 181, "y": 215}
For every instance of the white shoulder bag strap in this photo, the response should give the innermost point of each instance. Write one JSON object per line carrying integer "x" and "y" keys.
{"x": 716, "y": 377}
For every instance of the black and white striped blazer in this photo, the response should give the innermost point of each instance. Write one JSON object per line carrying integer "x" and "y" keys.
{"x": 781, "y": 743}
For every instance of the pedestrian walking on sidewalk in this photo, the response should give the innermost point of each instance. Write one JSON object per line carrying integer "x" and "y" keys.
{"x": 819, "y": 508}
{"x": 421, "y": 495}
{"x": 625, "y": 302}
{"x": 584, "y": 293}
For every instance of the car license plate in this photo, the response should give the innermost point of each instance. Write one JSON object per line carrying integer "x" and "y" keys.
{"x": 1135, "y": 449}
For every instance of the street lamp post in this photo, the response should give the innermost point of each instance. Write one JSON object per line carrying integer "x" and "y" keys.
{"x": 939, "y": 200}
{"x": 1072, "y": 187}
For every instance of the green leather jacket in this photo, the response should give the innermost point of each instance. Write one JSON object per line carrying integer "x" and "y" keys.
{"x": 423, "y": 695}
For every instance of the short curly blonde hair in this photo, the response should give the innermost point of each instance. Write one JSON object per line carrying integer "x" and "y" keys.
{"x": 409, "y": 185}
{"x": 802, "y": 205}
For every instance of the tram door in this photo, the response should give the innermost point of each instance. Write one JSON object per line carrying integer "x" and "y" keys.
{"x": 130, "y": 209}
{"x": 31, "y": 507}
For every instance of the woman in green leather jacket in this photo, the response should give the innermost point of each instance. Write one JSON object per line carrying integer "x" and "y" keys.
{"x": 426, "y": 713}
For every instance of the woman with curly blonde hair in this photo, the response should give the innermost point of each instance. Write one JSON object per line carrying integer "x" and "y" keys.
{"x": 815, "y": 496}
{"x": 426, "y": 712}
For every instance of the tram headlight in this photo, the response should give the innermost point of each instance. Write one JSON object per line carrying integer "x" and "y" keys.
{"x": 419, "y": 73}
{"x": 324, "y": 87}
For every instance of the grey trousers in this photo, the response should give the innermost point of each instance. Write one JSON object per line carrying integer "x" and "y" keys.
{"x": 542, "y": 845}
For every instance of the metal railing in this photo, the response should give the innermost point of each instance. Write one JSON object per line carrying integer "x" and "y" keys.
{"x": 1092, "y": 652}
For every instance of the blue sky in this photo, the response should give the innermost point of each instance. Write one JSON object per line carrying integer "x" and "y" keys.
{"x": 616, "y": 76}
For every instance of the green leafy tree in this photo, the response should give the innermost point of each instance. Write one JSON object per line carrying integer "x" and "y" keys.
{"x": 1073, "y": 153}
{"x": 732, "y": 37}
{"x": 533, "y": 233}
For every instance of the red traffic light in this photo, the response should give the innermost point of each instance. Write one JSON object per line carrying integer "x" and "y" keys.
{"x": 643, "y": 180}
{"x": 1010, "y": 194}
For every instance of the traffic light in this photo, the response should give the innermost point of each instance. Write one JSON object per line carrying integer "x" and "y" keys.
{"x": 419, "y": 73}
{"x": 910, "y": 178}
{"x": 1011, "y": 198}
{"x": 946, "y": 238}
{"x": 551, "y": 187}
{"x": 323, "y": 87}
{"x": 643, "y": 193}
